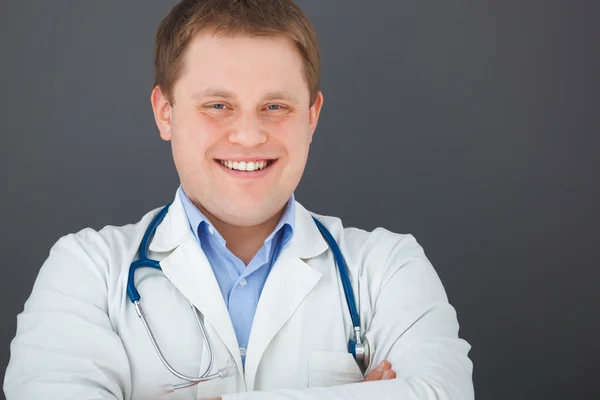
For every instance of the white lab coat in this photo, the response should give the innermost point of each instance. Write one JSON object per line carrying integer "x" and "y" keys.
{"x": 79, "y": 336}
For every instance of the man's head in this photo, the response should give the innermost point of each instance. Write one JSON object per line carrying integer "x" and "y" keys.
{"x": 237, "y": 87}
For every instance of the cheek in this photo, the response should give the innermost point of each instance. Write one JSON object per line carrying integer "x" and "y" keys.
{"x": 293, "y": 132}
{"x": 193, "y": 133}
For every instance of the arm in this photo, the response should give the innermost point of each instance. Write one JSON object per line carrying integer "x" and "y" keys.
{"x": 65, "y": 347}
{"x": 382, "y": 372}
{"x": 415, "y": 329}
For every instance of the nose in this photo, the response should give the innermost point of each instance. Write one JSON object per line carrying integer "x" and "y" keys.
{"x": 247, "y": 131}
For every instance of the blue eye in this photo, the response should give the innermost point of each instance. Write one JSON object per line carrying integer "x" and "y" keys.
{"x": 274, "y": 107}
{"x": 218, "y": 106}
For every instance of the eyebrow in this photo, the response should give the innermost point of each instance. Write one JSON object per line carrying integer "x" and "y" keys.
{"x": 210, "y": 92}
{"x": 225, "y": 94}
{"x": 281, "y": 96}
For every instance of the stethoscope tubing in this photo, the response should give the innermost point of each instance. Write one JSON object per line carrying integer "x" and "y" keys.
{"x": 360, "y": 348}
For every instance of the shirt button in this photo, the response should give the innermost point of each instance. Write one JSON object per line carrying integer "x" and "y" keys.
{"x": 243, "y": 351}
{"x": 243, "y": 282}
{"x": 211, "y": 230}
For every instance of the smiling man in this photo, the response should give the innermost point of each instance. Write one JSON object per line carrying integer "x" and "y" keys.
{"x": 285, "y": 303}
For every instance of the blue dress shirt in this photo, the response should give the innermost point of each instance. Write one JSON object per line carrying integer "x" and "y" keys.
{"x": 240, "y": 285}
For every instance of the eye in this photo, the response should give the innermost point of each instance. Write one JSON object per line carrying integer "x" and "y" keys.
{"x": 218, "y": 106}
{"x": 274, "y": 107}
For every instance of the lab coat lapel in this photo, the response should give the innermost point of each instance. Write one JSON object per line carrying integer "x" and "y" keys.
{"x": 190, "y": 271}
{"x": 291, "y": 279}
{"x": 187, "y": 267}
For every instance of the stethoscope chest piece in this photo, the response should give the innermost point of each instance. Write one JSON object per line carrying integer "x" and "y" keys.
{"x": 361, "y": 352}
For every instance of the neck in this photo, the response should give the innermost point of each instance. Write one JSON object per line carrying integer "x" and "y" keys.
{"x": 245, "y": 241}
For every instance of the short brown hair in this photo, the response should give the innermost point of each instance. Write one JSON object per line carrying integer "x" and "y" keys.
{"x": 229, "y": 18}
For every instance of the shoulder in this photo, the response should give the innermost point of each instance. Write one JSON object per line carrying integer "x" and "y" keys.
{"x": 381, "y": 256}
{"x": 379, "y": 242}
{"x": 85, "y": 266}
{"x": 102, "y": 248}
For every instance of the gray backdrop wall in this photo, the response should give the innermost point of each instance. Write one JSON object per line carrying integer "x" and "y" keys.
{"x": 473, "y": 125}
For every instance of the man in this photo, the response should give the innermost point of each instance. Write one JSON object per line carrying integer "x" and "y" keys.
{"x": 237, "y": 95}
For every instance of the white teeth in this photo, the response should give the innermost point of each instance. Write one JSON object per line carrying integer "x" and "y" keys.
{"x": 244, "y": 166}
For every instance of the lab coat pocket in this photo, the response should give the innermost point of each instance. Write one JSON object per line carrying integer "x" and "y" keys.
{"x": 330, "y": 368}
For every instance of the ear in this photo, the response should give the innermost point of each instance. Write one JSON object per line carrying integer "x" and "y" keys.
{"x": 314, "y": 112}
{"x": 162, "y": 112}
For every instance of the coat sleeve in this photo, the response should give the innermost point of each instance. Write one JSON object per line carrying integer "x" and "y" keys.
{"x": 65, "y": 347}
{"x": 415, "y": 329}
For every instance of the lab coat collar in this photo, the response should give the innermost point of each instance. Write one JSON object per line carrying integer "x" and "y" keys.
{"x": 306, "y": 241}
{"x": 172, "y": 230}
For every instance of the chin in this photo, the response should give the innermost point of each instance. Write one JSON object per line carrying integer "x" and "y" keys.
{"x": 244, "y": 220}
{"x": 250, "y": 214}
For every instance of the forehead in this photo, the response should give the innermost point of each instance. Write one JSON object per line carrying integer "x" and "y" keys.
{"x": 242, "y": 64}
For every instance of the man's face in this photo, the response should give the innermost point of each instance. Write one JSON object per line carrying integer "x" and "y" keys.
{"x": 240, "y": 125}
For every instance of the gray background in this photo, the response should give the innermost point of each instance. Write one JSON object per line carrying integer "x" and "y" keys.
{"x": 471, "y": 124}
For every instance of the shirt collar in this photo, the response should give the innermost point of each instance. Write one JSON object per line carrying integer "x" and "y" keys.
{"x": 198, "y": 220}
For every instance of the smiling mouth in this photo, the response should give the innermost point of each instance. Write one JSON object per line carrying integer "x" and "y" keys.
{"x": 246, "y": 166}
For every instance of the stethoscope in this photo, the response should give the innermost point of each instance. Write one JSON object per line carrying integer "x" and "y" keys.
{"x": 357, "y": 346}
